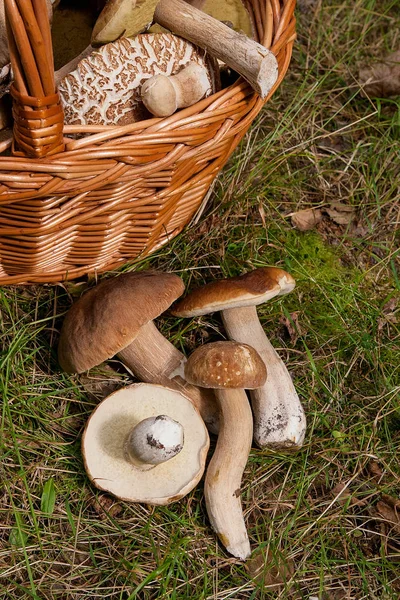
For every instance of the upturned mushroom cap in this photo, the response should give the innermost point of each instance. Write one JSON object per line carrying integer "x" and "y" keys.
{"x": 104, "y": 445}
{"x": 122, "y": 17}
{"x": 226, "y": 365}
{"x": 250, "y": 289}
{"x": 108, "y": 317}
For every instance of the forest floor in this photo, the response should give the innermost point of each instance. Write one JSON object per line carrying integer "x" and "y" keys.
{"x": 324, "y": 522}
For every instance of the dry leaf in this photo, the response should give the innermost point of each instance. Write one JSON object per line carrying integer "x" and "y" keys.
{"x": 383, "y": 78}
{"x": 395, "y": 502}
{"x": 344, "y": 496}
{"x": 389, "y": 314}
{"x": 342, "y": 214}
{"x": 341, "y": 207}
{"x": 307, "y": 219}
{"x": 106, "y": 506}
{"x": 389, "y": 514}
{"x": 390, "y": 306}
{"x": 269, "y": 570}
{"x": 375, "y": 470}
{"x": 292, "y": 325}
{"x": 359, "y": 230}
{"x": 389, "y": 319}
{"x": 341, "y": 494}
{"x": 334, "y": 141}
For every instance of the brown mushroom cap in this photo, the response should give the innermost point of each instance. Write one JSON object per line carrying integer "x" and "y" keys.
{"x": 249, "y": 289}
{"x": 108, "y": 317}
{"x": 106, "y": 433}
{"x": 226, "y": 365}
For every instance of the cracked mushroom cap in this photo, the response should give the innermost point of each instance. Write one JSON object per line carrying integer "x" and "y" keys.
{"x": 109, "y": 427}
{"x": 105, "y": 87}
{"x": 226, "y": 365}
{"x": 250, "y": 289}
{"x": 108, "y": 317}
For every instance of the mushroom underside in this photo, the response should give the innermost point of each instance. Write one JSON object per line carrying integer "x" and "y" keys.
{"x": 103, "y": 445}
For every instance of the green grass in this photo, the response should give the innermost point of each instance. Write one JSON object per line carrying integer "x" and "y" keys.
{"x": 313, "y": 516}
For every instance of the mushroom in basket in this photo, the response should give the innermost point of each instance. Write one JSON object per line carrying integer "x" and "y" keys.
{"x": 247, "y": 57}
{"x": 229, "y": 368}
{"x": 162, "y": 95}
{"x": 145, "y": 443}
{"x": 116, "y": 318}
{"x": 105, "y": 87}
{"x": 279, "y": 419}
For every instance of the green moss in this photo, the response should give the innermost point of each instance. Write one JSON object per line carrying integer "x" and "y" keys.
{"x": 308, "y": 254}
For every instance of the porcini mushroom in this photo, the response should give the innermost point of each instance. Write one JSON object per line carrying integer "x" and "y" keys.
{"x": 162, "y": 95}
{"x": 145, "y": 443}
{"x": 116, "y": 318}
{"x": 279, "y": 419}
{"x": 247, "y": 57}
{"x": 228, "y": 368}
{"x": 105, "y": 86}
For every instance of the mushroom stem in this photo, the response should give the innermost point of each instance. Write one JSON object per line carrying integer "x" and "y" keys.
{"x": 153, "y": 359}
{"x": 151, "y": 355}
{"x": 154, "y": 441}
{"x": 162, "y": 95}
{"x": 224, "y": 473}
{"x": 279, "y": 419}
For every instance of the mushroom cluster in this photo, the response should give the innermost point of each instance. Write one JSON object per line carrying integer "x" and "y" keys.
{"x": 148, "y": 441}
{"x": 279, "y": 419}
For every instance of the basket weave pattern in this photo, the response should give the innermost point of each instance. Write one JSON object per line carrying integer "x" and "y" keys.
{"x": 120, "y": 192}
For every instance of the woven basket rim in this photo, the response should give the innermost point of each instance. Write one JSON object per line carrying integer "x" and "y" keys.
{"x": 154, "y": 174}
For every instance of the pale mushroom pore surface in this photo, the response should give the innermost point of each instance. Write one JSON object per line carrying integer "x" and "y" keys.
{"x": 104, "y": 453}
{"x": 163, "y": 95}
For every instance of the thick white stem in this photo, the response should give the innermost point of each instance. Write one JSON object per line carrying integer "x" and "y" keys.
{"x": 162, "y": 95}
{"x": 279, "y": 419}
{"x": 154, "y": 441}
{"x": 153, "y": 359}
{"x": 224, "y": 473}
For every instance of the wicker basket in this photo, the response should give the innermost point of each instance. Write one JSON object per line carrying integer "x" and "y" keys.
{"x": 68, "y": 206}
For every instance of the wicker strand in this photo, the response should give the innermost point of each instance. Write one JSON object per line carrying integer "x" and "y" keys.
{"x": 37, "y": 112}
{"x": 118, "y": 192}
